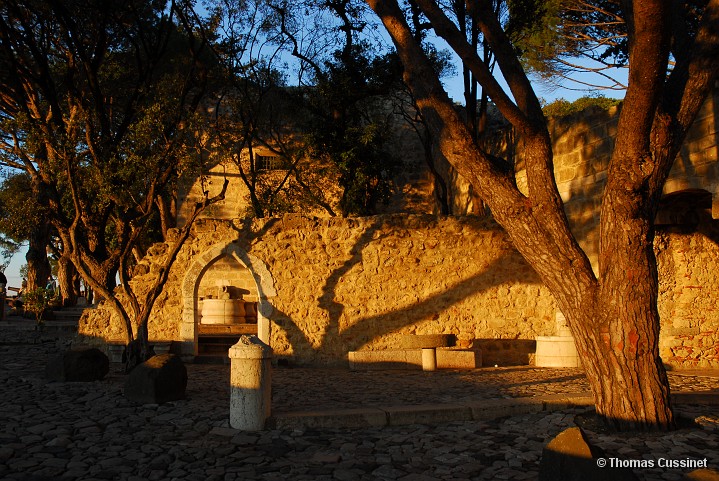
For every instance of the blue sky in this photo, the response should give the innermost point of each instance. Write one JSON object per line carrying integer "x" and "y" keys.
{"x": 12, "y": 272}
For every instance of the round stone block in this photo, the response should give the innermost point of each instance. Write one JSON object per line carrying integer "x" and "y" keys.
{"x": 423, "y": 341}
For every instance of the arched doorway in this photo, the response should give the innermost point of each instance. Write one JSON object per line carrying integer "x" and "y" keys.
{"x": 225, "y": 265}
{"x": 688, "y": 207}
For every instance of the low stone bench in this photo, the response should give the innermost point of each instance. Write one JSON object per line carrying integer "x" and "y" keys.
{"x": 426, "y": 351}
{"x": 446, "y": 358}
{"x": 428, "y": 343}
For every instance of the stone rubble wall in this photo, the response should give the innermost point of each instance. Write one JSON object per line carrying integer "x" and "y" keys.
{"x": 360, "y": 283}
{"x": 689, "y": 296}
{"x": 101, "y": 324}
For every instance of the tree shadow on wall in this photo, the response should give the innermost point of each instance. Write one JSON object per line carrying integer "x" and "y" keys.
{"x": 327, "y": 300}
{"x": 335, "y": 343}
{"x": 244, "y": 229}
{"x": 583, "y": 191}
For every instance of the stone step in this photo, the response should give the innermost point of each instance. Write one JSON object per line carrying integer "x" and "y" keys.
{"x": 50, "y": 327}
{"x": 381, "y": 416}
{"x": 57, "y": 316}
{"x": 60, "y": 326}
{"x": 210, "y": 359}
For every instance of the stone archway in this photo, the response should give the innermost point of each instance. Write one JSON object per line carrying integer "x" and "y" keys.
{"x": 190, "y": 311}
{"x": 685, "y": 207}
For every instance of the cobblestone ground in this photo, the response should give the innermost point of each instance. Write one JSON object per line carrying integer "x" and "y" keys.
{"x": 90, "y": 431}
{"x": 304, "y": 389}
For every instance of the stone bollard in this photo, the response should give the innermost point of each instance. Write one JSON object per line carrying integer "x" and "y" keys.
{"x": 429, "y": 359}
{"x": 250, "y": 383}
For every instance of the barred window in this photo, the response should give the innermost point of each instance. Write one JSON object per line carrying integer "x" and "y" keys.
{"x": 268, "y": 162}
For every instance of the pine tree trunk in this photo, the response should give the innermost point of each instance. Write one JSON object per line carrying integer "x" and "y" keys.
{"x": 631, "y": 384}
{"x": 630, "y": 388}
{"x": 613, "y": 314}
{"x": 618, "y": 345}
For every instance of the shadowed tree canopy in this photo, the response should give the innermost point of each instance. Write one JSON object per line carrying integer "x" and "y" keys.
{"x": 18, "y": 211}
{"x": 258, "y": 121}
{"x": 613, "y": 312}
{"x": 99, "y": 107}
{"x": 347, "y": 82}
{"x": 17, "y": 215}
{"x": 23, "y": 219}
{"x": 351, "y": 125}
{"x": 583, "y": 45}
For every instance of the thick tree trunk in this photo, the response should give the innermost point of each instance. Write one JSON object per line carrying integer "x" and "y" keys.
{"x": 432, "y": 154}
{"x": 629, "y": 383}
{"x": 617, "y": 338}
{"x": 66, "y": 274}
{"x": 76, "y": 284}
{"x": 106, "y": 276}
{"x": 613, "y": 315}
{"x": 38, "y": 267}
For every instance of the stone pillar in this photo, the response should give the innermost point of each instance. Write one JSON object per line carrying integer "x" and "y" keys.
{"x": 429, "y": 359}
{"x": 250, "y": 383}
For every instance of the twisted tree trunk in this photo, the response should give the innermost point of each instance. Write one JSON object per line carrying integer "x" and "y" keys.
{"x": 613, "y": 314}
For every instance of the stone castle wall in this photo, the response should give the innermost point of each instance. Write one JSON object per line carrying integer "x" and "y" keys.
{"x": 348, "y": 284}
{"x": 689, "y": 295}
{"x": 582, "y": 147}
{"x": 339, "y": 285}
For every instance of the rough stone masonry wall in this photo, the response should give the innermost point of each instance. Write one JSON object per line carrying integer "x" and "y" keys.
{"x": 349, "y": 284}
{"x": 582, "y": 146}
{"x": 689, "y": 296}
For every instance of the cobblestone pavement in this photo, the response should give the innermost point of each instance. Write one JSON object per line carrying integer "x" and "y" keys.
{"x": 303, "y": 389}
{"x": 90, "y": 431}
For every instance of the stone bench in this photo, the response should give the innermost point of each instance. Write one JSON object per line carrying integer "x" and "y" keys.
{"x": 418, "y": 350}
{"x": 446, "y": 358}
{"x": 428, "y": 343}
